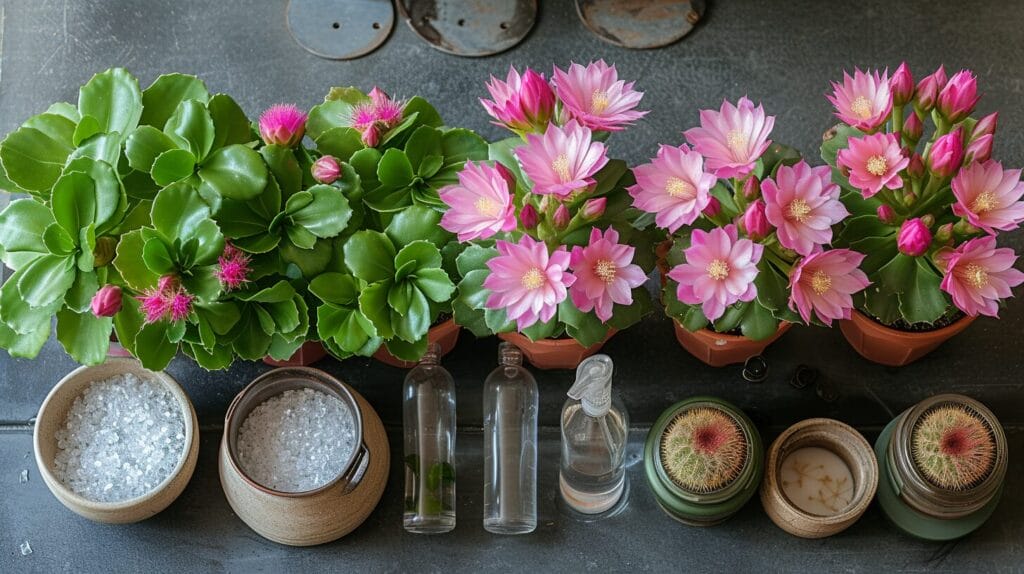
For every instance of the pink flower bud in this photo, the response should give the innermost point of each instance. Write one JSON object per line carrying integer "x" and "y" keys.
{"x": 916, "y": 166}
{"x": 755, "y": 222}
{"x": 536, "y": 98}
{"x": 371, "y": 136}
{"x": 986, "y": 126}
{"x": 959, "y": 96}
{"x": 751, "y": 188}
{"x": 562, "y": 217}
{"x": 713, "y": 208}
{"x": 928, "y": 88}
{"x": 912, "y": 127}
{"x": 914, "y": 238}
{"x": 107, "y": 301}
{"x": 283, "y": 125}
{"x": 507, "y": 175}
{"x": 902, "y": 85}
{"x": 947, "y": 155}
{"x": 979, "y": 150}
{"x": 886, "y": 214}
{"x": 326, "y": 169}
{"x": 944, "y": 234}
{"x": 528, "y": 216}
{"x": 594, "y": 208}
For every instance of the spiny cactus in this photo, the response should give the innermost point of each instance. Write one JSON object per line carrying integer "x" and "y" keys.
{"x": 703, "y": 449}
{"x": 953, "y": 447}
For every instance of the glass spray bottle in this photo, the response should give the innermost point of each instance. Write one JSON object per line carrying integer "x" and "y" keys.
{"x": 510, "y": 446}
{"x": 594, "y": 434}
{"x": 429, "y": 419}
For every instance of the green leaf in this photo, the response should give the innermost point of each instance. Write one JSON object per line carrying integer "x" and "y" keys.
{"x": 923, "y": 301}
{"x": 234, "y": 172}
{"x": 625, "y": 316}
{"x": 585, "y": 328}
{"x": 251, "y": 342}
{"x": 21, "y": 230}
{"x": 230, "y": 125}
{"x": 407, "y": 351}
{"x": 370, "y": 256}
{"x": 772, "y": 287}
{"x": 332, "y": 114}
{"x": 878, "y": 252}
{"x": 84, "y": 336}
{"x": 173, "y": 165}
{"x": 45, "y": 280}
{"x": 541, "y": 330}
{"x": 425, "y": 141}
{"x": 758, "y": 323}
{"x": 423, "y": 253}
{"x": 425, "y": 113}
{"x": 475, "y": 257}
{"x": 222, "y": 315}
{"x": 74, "y": 202}
{"x": 311, "y": 262}
{"x": 342, "y": 143}
{"x": 178, "y": 210}
{"x": 460, "y": 145}
{"x": 280, "y": 291}
{"x": 395, "y": 170}
{"x": 87, "y": 127}
{"x": 25, "y": 345}
{"x": 153, "y": 347}
{"x": 130, "y": 264}
{"x": 191, "y": 127}
{"x": 414, "y": 324}
{"x": 326, "y": 215}
{"x": 300, "y": 237}
{"x": 110, "y": 199}
{"x": 503, "y": 152}
{"x": 365, "y": 163}
{"x": 65, "y": 109}
{"x": 144, "y": 145}
{"x": 284, "y": 167}
{"x": 114, "y": 99}
{"x": 373, "y": 304}
{"x": 218, "y": 358}
{"x": 284, "y": 314}
{"x": 418, "y": 223}
{"x": 33, "y": 156}
{"x": 468, "y": 304}
{"x": 435, "y": 284}
{"x": 862, "y": 226}
{"x": 164, "y": 95}
{"x": 830, "y": 147}
{"x": 157, "y": 257}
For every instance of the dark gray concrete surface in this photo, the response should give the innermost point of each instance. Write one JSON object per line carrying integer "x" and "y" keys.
{"x": 783, "y": 54}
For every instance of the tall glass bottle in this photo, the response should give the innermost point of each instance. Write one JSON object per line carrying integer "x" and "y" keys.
{"x": 429, "y": 419}
{"x": 594, "y": 434}
{"x": 510, "y": 446}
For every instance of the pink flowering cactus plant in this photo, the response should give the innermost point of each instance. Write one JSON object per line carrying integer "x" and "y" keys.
{"x": 552, "y": 247}
{"x": 925, "y": 211}
{"x": 751, "y": 227}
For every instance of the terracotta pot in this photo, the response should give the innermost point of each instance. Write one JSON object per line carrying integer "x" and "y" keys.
{"x": 554, "y": 353}
{"x": 309, "y": 353}
{"x": 719, "y": 350}
{"x": 661, "y": 253}
{"x": 446, "y": 335}
{"x": 892, "y": 347}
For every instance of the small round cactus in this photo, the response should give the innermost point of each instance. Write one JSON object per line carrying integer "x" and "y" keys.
{"x": 953, "y": 447}
{"x": 703, "y": 449}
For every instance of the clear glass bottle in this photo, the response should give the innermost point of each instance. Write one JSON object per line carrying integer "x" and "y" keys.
{"x": 510, "y": 446}
{"x": 595, "y": 428}
{"x": 429, "y": 419}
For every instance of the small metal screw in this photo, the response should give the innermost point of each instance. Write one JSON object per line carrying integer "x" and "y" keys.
{"x": 755, "y": 369}
{"x": 804, "y": 376}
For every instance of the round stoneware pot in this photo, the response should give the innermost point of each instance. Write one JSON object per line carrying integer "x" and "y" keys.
{"x": 554, "y": 353}
{"x": 51, "y": 417}
{"x": 309, "y": 353}
{"x": 718, "y": 349}
{"x": 892, "y": 347}
{"x": 445, "y": 334}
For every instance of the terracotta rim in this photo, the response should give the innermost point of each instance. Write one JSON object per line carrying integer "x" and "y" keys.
{"x": 866, "y": 323}
{"x": 445, "y": 334}
{"x": 568, "y": 348}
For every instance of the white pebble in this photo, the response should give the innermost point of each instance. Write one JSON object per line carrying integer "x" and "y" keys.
{"x": 296, "y": 441}
{"x": 26, "y": 548}
{"x": 108, "y": 450}
{"x": 23, "y": 477}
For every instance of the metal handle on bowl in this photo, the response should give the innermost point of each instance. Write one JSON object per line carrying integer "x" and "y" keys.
{"x": 357, "y": 470}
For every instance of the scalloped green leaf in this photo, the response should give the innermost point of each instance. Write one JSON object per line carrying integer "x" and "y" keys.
{"x": 33, "y": 156}
{"x": 173, "y": 165}
{"x": 114, "y": 99}
{"x": 370, "y": 256}
{"x": 164, "y": 95}
{"x": 144, "y": 145}
{"x": 234, "y": 172}
{"x": 191, "y": 128}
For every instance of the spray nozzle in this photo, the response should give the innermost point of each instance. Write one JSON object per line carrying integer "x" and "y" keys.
{"x": 593, "y": 386}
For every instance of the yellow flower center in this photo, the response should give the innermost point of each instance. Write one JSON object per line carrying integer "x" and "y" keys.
{"x": 799, "y": 210}
{"x": 676, "y": 187}
{"x": 599, "y": 102}
{"x": 877, "y": 165}
{"x": 976, "y": 275}
{"x": 717, "y": 269}
{"x": 487, "y": 207}
{"x": 862, "y": 107}
{"x": 986, "y": 201}
{"x": 533, "y": 278}
{"x": 737, "y": 141}
{"x": 605, "y": 270}
{"x": 821, "y": 282}
{"x": 561, "y": 167}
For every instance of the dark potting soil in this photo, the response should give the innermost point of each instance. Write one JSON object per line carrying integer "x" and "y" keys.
{"x": 945, "y": 320}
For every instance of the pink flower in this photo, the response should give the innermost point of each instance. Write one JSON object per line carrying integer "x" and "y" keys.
{"x": 520, "y": 103}
{"x": 719, "y": 270}
{"x": 823, "y": 282}
{"x": 107, "y": 301}
{"x": 326, "y": 169}
{"x": 863, "y": 101}
{"x": 886, "y": 214}
{"x": 914, "y": 237}
{"x": 673, "y": 186}
{"x": 874, "y": 162}
{"x": 596, "y": 97}
{"x": 180, "y": 305}
{"x": 232, "y": 268}
{"x": 733, "y": 138}
{"x": 563, "y": 160}
{"x": 155, "y": 305}
{"x": 283, "y": 125}
{"x": 959, "y": 96}
{"x": 989, "y": 197}
{"x": 168, "y": 301}
{"x": 480, "y": 205}
{"x": 978, "y": 275}
{"x": 605, "y": 274}
{"x": 928, "y": 89}
{"x": 526, "y": 282}
{"x": 754, "y": 221}
{"x": 902, "y": 85}
{"x": 376, "y": 117}
{"x": 947, "y": 155}
{"x": 803, "y": 204}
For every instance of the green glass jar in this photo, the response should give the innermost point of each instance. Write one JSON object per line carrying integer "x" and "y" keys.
{"x": 942, "y": 465}
{"x": 704, "y": 460}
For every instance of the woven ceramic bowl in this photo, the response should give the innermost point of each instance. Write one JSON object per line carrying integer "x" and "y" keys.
{"x": 52, "y": 415}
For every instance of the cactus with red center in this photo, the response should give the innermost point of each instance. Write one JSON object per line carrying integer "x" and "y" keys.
{"x": 953, "y": 447}
{"x": 703, "y": 449}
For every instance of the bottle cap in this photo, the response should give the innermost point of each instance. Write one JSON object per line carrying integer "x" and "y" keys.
{"x": 593, "y": 386}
